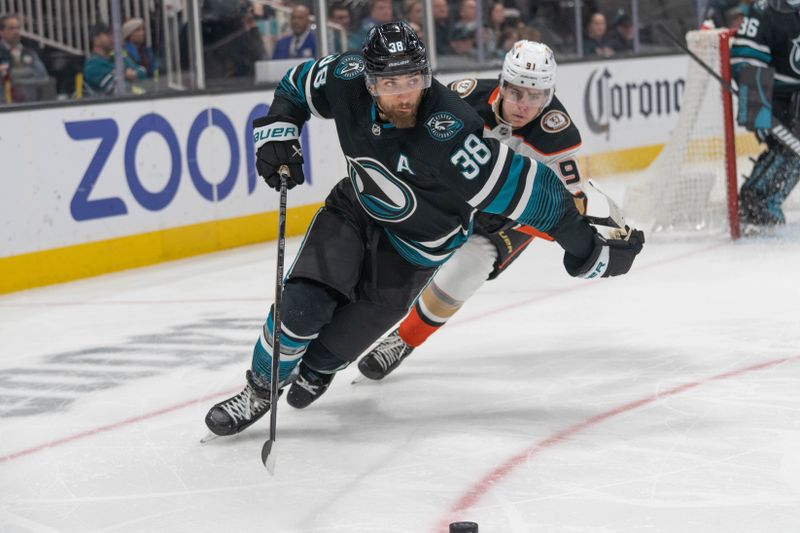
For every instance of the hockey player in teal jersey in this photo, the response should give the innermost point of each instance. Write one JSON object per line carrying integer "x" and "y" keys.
{"x": 767, "y": 45}
{"x": 418, "y": 169}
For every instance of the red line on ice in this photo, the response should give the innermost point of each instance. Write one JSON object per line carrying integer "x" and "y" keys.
{"x": 482, "y": 487}
{"x": 116, "y": 425}
{"x": 153, "y": 414}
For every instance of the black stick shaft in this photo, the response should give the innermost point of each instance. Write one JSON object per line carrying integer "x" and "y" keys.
{"x": 778, "y": 130}
{"x": 680, "y": 44}
{"x": 276, "y": 317}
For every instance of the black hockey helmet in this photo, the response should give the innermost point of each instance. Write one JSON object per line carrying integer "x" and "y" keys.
{"x": 394, "y": 49}
{"x": 785, "y": 6}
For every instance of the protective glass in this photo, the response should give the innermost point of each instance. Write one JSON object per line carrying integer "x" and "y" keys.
{"x": 398, "y": 83}
{"x": 524, "y": 95}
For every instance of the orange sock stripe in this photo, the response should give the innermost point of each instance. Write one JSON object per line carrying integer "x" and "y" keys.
{"x": 414, "y": 331}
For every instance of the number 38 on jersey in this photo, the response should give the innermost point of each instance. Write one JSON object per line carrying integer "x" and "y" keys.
{"x": 471, "y": 157}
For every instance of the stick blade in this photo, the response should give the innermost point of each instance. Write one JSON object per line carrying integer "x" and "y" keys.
{"x": 268, "y": 456}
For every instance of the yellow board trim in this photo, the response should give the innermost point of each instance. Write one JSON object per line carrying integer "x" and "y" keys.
{"x": 631, "y": 159}
{"x": 91, "y": 259}
{"x": 69, "y": 263}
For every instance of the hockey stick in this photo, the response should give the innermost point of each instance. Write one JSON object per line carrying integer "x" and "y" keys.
{"x": 268, "y": 450}
{"x": 778, "y": 130}
{"x": 614, "y": 219}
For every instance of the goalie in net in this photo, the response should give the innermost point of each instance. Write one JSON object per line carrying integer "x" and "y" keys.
{"x": 765, "y": 60}
{"x": 692, "y": 184}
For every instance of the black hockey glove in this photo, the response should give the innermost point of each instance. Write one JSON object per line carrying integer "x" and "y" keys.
{"x": 610, "y": 257}
{"x": 277, "y": 143}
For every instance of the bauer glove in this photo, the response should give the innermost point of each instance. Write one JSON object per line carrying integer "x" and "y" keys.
{"x": 610, "y": 257}
{"x": 277, "y": 143}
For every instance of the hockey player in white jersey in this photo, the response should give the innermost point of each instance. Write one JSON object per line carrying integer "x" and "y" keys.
{"x": 522, "y": 112}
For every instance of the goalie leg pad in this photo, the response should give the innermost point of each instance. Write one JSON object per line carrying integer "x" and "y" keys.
{"x": 774, "y": 176}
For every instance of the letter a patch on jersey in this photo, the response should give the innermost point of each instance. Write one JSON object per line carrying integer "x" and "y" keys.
{"x": 402, "y": 165}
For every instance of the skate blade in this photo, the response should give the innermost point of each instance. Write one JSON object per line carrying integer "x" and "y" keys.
{"x": 209, "y": 437}
{"x": 362, "y": 379}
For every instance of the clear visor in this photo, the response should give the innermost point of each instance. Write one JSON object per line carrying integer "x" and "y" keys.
{"x": 524, "y": 95}
{"x": 381, "y": 85}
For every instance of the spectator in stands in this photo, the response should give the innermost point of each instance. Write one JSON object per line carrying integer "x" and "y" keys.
{"x": 413, "y": 12}
{"x": 622, "y": 30}
{"x": 232, "y": 42}
{"x": 722, "y": 13}
{"x": 302, "y": 42}
{"x": 595, "y": 40}
{"x": 418, "y": 30}
{"x": 497, "y": 23}
{"x": 99, "y": 74}
{"x": 463, "y": 40}
{"x": 465, "y": 32}
{"x": 444, "y": 28}
{"x": 380, "y": 12}
{"x": 18, "y": 62}
{"x": 508, "y": 37}
{"x": 133, "y": 38}
{"x": 527, "y": 33}
{"x": 735, "y": 15}
{"x": 497, "y": 19}
{"x": 340, "y": 14}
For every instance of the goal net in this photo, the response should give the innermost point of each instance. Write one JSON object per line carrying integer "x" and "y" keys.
{"x": 692, "y": 184}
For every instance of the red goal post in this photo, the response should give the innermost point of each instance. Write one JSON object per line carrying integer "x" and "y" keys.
{"x": 692, "y": 183}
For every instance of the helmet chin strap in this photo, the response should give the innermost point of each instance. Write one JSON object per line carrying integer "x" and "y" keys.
{"x": 497, "y": 107}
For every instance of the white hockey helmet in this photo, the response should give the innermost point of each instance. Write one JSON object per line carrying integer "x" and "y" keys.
{"x": 531, "y": 65}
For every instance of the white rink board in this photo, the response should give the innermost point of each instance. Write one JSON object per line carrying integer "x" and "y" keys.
{"x": 107, "y": 171}
{"x": 69, "y": 182}
{"x": 618, "y": 104}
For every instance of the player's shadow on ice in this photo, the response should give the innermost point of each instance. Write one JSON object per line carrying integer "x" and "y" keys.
{"x": 512, "y": 390}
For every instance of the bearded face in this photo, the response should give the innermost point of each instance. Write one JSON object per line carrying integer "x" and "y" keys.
{"x": 398, "y": 98}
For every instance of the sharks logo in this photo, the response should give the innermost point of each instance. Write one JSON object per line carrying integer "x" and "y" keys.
{"x": 443, "y": 126}
{"x": 349, "y": 67}
{"x": 380, "y": 193}
{"x": 794, "y": 55}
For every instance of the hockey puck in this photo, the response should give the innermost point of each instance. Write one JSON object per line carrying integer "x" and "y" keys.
{"x": 463, "y": 527}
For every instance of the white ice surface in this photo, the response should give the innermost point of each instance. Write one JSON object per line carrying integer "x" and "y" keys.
{"x": 548, "y": 404}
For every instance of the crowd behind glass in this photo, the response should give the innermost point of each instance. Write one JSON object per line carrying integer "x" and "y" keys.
{"x": 240, "y": 38}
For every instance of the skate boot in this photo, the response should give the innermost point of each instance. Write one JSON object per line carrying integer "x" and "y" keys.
{"x": 308, "y": 386}
{"x": 385, "y": 357}
{"x": 239, "y": 412}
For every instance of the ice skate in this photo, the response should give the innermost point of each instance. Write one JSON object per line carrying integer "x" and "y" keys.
{"x": 385, "y": 357}
{"x": 239, "y": 412}
{"x": 308, "y": 386}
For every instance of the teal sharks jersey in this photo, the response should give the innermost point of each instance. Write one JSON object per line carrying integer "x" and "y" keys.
{"x": 424, "y": 184}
